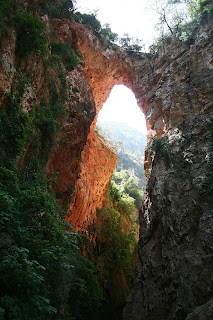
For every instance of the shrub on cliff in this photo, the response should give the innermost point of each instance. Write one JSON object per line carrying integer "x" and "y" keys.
{"x": 89, "y": 19}
{"x": 65, "y": 51}
{"x": 56, "y": 9}
{"x": 31, "y": 35}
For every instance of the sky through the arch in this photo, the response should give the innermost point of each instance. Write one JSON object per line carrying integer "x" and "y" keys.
{"x": 121, "y": 106}
{"x": 124, "y": 16}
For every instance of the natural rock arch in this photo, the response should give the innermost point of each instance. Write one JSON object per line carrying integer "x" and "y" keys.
{"x": 105, "y": 68}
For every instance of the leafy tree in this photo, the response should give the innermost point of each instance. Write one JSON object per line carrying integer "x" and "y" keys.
{"x": 131, "y": 45}
{"x": 116, "y": 255}
{"x": 57, "y": 9}
{"x": 171, "y": 14}
{"x": 182, "y": 18}
{"x": 129, "y": 185}
{"x": 108, "y": 37}
{"x": 31, "y": 35}
{"x": 89, "y": 19}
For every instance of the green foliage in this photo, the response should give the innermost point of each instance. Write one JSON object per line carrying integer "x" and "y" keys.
{"x": 208, "y": 184}
{"x": 115, "y": 260}
{"x": 40, "y": 260}
{"x": 31, "y": 35}
{"x": 202, "y": 11}
{"x": 63, "y": 9}
{"x": 65, "y": 51}
{"x": 8, "y": 11}
{"x": 128, "y": 185}
{"x": 107, "y": 36}
{"x": 131, "y": 45}
{"x": 30, "y": 28}
{"x": 159, "y": 43}
{"x": 182, "y": 18}
{"x": 15, "y": 126}
{"x": 115, "y": 251}
{"x": 159, "y": 147}
{"x": 85, "y": 293}
{"x": 89, "y": 19}
{"x": 43, "y": 274}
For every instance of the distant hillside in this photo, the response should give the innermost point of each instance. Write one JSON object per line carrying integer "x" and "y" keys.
{"x": 130, "y": 144}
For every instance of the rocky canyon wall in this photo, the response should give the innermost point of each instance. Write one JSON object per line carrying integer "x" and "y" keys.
{"x": 97, "y": 166}
{"x": 176, "y": 221}
{"x": 174, "y": 90}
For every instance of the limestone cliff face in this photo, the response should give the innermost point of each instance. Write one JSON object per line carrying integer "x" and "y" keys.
{"x": 97, "y": 166}
{"x": 63, "y": 165}
{"x": 176, "y": 221}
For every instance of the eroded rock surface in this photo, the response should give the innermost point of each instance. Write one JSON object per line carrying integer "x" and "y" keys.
{"x": 176, "y": 218}
{"x": 97, "y": 166}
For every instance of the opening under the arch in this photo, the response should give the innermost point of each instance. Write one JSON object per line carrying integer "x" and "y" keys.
{"x": 123, "y": 125}
{"x": 121, "y": 107}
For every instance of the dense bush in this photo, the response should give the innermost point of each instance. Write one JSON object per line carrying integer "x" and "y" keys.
{"x": 128, "y": 185}
{"x": 31, "y": 35}
{"x": 208, "y": 184}
{"x": 65, "y": 51}
{"x": 115, "y": 252}
{"x": 89, "y": 19}
{"x": 63, "y": 9}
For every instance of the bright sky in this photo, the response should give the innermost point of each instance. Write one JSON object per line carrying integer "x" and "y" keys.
{"x": 121, "y": 106}
{"x": 134, "y": 18}
{"x": 124, "y": 16}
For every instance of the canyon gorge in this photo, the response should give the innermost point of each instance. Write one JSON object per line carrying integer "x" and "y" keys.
{"x": 174, "y": 90}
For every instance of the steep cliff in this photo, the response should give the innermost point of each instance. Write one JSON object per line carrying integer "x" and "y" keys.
{"x": 175, "y": 246}
{"x": 174, "y": 90}
{"x": 97, "y": 166}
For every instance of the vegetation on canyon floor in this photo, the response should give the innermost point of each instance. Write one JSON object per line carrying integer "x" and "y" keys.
{"x": 115, "y": 251}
